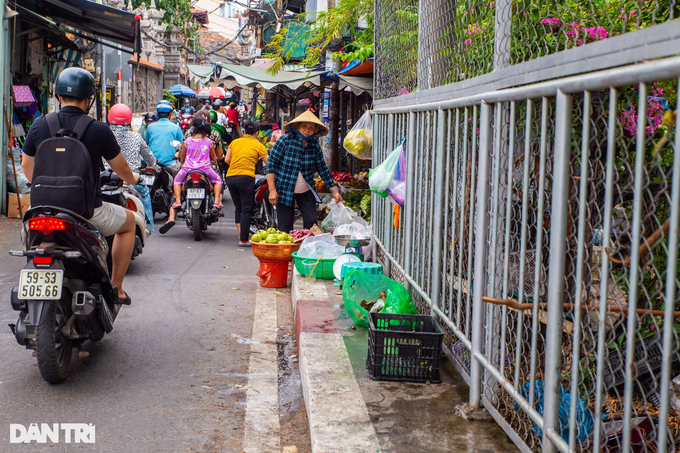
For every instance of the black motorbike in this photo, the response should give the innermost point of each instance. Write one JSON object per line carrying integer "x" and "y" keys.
{"x": 159, "y": 180}
{"x": 198, "y": 203}
{"x": 64, "y": 296}
{"x": 264, "y": 214}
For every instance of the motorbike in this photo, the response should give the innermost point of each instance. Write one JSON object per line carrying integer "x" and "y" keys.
{"x": 197, "y": 203}
{"x": 264, "y": 213}
{"x": 159, "y": 180}
{"x": 232, "y": 131}
{"x": 65, "y": 296}
{"x": 185, "y": 122}
{"x": 114, "y": 191}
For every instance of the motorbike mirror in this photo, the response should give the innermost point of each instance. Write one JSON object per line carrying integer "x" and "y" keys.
{"x": 175, "y": 143}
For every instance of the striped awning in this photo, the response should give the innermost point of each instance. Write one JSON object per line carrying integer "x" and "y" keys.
{"x": 62, "y": 60}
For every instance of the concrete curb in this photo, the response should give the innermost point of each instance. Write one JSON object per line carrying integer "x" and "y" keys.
{"x": 338, "y": 417}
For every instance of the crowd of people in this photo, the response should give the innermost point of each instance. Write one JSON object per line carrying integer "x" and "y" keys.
{"x": 219, "y": 142}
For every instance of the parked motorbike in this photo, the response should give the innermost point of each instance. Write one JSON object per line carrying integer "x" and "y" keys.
{"x": 264, "y": 213}
{"x": 197, "y": 203}
{"x": 64, "y": 296}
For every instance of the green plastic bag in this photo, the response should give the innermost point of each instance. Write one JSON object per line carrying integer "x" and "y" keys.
{"x": 360, "y": 286}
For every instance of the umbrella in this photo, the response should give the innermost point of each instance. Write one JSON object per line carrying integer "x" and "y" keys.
{"x": 217, "y": 93}
{"x": 182, "y": 90}
{"x": 203, "y": 92}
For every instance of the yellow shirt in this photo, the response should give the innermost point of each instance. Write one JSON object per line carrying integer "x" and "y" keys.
{"x": 245, "y": 152}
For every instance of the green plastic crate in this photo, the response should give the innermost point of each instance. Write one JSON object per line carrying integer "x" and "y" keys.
{"x": 324, "y": 271}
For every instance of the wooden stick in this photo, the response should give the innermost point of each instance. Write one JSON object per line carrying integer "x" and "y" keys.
{"x": 646, "y": 245}
{"x": 615, "y": 308}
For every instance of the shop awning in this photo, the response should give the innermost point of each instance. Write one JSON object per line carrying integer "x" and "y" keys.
{"x": 101, "y": 21}
{"x": 357, "y": 84}
{"x": 357, "y": 67}
{"x": 46, "y": 28}
{"x": 145, "y": 63}
{"x": 249, "y": 76}
{"x": 201, "y": 71}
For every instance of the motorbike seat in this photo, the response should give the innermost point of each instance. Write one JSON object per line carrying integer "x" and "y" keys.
{"x": 260, "y": 182}
{"x": 114, "y": 197}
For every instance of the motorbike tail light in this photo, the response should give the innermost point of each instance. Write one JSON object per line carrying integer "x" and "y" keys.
{"x": 149, "y": 171}
{"x": 131, "y": 205}
{"x": 195, "y": 177}
{"x": 46, "y": 225}
{"x": 42, "y": 260}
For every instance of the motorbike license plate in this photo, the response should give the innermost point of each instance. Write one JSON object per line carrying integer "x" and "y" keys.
{"x": 42, "y": 285}
{"x": 195, "y": 193}
{"x": 148, "y": 180}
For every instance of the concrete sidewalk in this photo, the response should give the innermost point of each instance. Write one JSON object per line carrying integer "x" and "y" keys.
{"x": 350, "y": 412}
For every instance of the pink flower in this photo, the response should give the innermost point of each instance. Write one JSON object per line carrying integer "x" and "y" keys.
{"x": 550, "y": 21}
{"x": 402, "y": 91}
{"x": 597, "y": 32}
{"x": 467, "y": 41}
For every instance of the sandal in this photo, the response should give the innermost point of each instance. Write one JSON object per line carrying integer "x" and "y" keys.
{"x": 125, "y": 301}
{"x": 218, "y": 205}
{"x": 165, "y": 228}
{"x": 176, "y": 205}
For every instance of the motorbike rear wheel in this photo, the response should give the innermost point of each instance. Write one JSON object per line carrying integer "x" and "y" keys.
{"x": 53, "y": 349}
{"x": 197, "y": 222}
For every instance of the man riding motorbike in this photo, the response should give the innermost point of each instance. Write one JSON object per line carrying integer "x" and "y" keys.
{"x": 74, "y": 88}
{"x": 188, "y": 108}
{"x": 149, "y": 118}
{"x": 161, "y": 133}
{"x": 134, "y": 148}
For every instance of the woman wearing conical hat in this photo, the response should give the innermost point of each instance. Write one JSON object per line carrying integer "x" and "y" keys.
{"x": 293, "y": 162}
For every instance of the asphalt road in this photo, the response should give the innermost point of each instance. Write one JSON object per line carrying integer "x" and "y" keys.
{"x": 173, "y": 374}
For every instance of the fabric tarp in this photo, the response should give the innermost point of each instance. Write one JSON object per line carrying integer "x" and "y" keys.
{"x": 249, "y": 76}
{"x": 357, "y": 84}
{"x": 96, "y": 19}
{"x": 201, "y": 71}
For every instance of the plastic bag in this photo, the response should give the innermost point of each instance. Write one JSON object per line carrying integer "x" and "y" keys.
{"x": 396, "y": 192}
{"x": 339, "y": 215}
{"x": 321, "y": 245}
{"x": 358, "y": 228}
{"x": 380, "y": 178}
{"x": 359, "y": 141}
{"x": 21, "y": 179}
{"x": 360, "y": 286}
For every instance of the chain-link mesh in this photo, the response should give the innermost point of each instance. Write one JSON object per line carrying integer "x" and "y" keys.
{"x": 396, "y": 47}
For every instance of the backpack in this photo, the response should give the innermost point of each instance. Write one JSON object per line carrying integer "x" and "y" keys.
{"x": 62, "y": 174}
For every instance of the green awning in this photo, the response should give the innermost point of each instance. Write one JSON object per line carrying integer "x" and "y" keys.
{"x": 201, "y": 71}
{"x": 250, "y": 76}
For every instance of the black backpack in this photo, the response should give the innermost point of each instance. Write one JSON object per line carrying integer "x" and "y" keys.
{"x": 62, "y": 174}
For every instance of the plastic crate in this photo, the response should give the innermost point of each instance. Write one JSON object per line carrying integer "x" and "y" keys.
{"x": 404, "y": 348}
{"x": 647, "y": 360}
{"x": 324, "y": 271}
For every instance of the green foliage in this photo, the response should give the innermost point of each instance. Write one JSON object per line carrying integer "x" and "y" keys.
{"x": 177, "y": 16}
{"x": 327, "y": 31}
{"x": 168, "y": 96}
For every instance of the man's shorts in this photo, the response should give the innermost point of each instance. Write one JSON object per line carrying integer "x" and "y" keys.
{"x": 109, "y": 218}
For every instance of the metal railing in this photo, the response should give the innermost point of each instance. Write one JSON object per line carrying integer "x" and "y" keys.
{"x": 541, "y": 228}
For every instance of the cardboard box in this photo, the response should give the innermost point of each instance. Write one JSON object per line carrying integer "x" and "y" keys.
{"x": 13, "y": 206}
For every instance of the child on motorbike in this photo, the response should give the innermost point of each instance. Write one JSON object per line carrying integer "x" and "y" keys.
{"x": 196, "y": 153}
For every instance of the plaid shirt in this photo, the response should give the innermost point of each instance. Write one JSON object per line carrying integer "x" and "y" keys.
{"x": 289, "y": 157}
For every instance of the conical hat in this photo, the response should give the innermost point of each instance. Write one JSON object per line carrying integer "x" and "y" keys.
{"x": 309, "y": 117}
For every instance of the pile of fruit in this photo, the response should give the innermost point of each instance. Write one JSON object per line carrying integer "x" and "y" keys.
{"x": 359, "y": 202}
{"x": 348, "y": 180}
{"x": 272, "y": 236}
{"x": 319, "y": 186}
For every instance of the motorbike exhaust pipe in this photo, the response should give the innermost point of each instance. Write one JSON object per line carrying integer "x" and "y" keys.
{"x": 89, "y": 313}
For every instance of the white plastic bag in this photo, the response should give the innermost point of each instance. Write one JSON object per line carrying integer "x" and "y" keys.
{"x": 339, "y": 215}
{"x": 380, "y": 178}
{"x": 321, "y": 245}
{"x": 357, "y": 229}
{"x": 359, "y": 141}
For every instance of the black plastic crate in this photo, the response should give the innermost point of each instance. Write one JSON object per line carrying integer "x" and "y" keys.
{"x": 647, "y": 360}
{"x": 404, "y": 348}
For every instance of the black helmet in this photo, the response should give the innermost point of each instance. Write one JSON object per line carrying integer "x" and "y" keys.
{"x": 216, "y": 105}
{"x": 150, "y": 117}
{"x": 75, "y": 82}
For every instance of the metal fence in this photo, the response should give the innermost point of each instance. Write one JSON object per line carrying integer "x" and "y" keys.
{"x": 543, "y": 208}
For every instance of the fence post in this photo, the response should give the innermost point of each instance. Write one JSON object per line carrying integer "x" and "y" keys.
{"x": 558, "y": 242}
{"x": 409, "y": 203}
{"x": 479, "y": 276}
{"x": 502, "y": 38}
{"x": 438, "y": 251}
{"x": 387, "y": 238}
